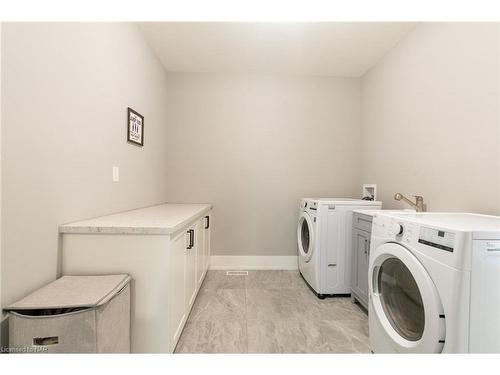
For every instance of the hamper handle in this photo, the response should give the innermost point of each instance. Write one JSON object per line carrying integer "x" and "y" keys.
{"x": 45, "y": 341}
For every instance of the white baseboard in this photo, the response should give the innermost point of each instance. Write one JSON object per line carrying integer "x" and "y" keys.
{"x": 220, "y": 262}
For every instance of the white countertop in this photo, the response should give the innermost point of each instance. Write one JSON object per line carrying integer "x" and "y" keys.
{"x": 161, "y": 219}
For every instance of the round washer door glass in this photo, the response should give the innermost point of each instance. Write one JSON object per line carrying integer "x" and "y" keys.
{"x": 305, "y": 236}
{"x": 401, "y": 299}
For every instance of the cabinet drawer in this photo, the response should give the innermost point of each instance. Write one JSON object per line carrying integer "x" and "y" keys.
{"x": 363, "y": 222}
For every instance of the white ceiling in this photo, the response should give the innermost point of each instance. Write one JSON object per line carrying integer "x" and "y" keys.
{"x": 331, "y": 49}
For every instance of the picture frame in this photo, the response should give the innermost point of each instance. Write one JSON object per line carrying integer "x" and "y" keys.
{"x": 135, "y": 127}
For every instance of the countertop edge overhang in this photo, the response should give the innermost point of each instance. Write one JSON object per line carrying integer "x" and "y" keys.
{"x": 163, "y": 219}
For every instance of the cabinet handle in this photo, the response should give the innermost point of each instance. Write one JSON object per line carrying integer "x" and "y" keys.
{"x": 191, "y": 238}
{"x": 366, "y": 247}
{"x": 207, "y": 222}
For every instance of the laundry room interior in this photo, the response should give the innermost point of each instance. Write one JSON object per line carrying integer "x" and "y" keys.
{"x": 250, "y": 187}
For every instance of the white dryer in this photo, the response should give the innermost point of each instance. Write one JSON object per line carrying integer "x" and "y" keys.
{"x": 434, "y": 283}
{"x": 324, "y": 242}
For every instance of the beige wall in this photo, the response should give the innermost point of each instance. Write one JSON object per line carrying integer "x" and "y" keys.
{"x": 253, "y": 145}
{"x": 430, "y": 119}
{"x": 66, "y": 88}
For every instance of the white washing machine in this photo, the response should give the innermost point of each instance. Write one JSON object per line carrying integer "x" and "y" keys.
{"x": 434, "y": 283}
{"x": 324, "y": 242}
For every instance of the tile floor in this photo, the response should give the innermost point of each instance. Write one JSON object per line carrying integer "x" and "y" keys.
{"x": 271, "y": 312}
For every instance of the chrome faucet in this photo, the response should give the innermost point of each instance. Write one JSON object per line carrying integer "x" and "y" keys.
{"x": 418, "y": 205}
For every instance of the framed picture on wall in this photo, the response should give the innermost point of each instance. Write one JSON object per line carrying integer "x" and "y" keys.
{"x": 135, "y": 127}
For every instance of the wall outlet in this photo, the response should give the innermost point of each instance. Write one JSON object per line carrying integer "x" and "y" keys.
{"x": 116, "y": 174}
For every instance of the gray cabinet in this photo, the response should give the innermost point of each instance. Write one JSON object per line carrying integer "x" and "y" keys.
{"x": 361, "y": 233}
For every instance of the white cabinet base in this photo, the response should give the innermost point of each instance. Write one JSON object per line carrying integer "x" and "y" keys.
{"x": 158, "y": 266}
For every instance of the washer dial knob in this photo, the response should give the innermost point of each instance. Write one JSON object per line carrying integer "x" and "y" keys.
{"x": 396, "y": 229}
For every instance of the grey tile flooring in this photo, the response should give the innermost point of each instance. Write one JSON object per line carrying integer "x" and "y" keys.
{"x": 214, "y": 336}
{"x": 219, "y": 280}
{"x": 271, "y": 312}
{"x": 281, "y": 304}
{"x": 219, "y": 304}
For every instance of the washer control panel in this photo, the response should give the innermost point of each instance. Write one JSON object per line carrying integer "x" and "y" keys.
{"x": 439, "y": 239}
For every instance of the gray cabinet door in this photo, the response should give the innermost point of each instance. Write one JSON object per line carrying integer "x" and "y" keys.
{"x": 361, "y": 251}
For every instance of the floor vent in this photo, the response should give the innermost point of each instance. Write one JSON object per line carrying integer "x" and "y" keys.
{"x": 237, "y": 273}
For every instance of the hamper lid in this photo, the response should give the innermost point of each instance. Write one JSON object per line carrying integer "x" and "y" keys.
{"x": 73, "y": 291}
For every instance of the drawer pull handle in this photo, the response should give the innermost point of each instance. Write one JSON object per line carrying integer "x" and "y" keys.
{"x": 45, "y": 341}
{"x": 191, "y": 238}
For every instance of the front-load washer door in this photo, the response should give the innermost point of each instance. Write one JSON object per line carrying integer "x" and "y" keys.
{"x": 406, "y": 301}
{"x": 305, "y": 237}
